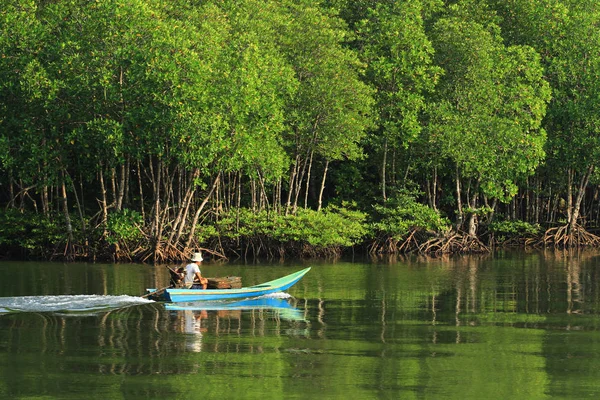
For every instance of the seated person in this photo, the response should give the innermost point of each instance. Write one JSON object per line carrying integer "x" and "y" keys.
{"x": 192, "y": 273}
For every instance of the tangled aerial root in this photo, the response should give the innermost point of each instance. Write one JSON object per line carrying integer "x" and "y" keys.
{"x": 563, "y": 237}
{"x": 421, "y": 242}
{"x": 452, "y": 243}
{"x": 392, "y": 245}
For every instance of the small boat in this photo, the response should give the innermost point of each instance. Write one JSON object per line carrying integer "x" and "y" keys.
{"x": 188, "y": 295}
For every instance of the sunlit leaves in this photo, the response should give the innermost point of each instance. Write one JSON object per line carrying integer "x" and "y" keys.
{"x": 490, "y": 103}
{"x": 398, "y": 53}
{"x": 332, "y": 108}
{"x": 565, "y": 34}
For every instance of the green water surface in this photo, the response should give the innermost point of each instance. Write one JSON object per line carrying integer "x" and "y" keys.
{"x": 507, "y": 326}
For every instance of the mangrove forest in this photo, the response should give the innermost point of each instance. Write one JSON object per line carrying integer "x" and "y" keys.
{"x": 144, "y": 130}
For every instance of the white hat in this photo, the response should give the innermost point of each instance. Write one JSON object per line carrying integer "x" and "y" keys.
{"x": 197, "y": 257}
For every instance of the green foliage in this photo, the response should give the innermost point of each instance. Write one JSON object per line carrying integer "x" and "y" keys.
{"x": 478, "y": 211}
{"x": 516, "y": 229}
{"x": 328, "y": 231}
{"x": 397, "y": 217}
{"x": 31, "y": 234}
{"x": 399, "y": 54}
{"x": 274, "y": 97}
{"x": 487, "y": 112}
{"x": 331, "y": 110}
{"x": 332, "y": 227}
{"x": 564, "y": 33}
{"x": 124, "y": 226}
{"x": 204, "y": 233}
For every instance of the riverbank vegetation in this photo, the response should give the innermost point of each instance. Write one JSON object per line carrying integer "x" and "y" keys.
{"x": 143, "y": 130}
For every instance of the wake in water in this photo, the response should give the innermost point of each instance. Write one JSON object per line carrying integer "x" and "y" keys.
{"x": 66, "y": 303}
{"x": 277, "y": 295}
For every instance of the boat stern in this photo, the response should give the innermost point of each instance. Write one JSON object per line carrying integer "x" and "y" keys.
{"x": 158, "y": 295}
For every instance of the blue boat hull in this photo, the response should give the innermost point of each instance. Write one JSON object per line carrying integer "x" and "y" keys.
{"x": 279, "y": 307}
{"x": 188, "y": 295}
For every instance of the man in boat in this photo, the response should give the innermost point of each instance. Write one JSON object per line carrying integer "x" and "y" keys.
{"x": 192, "y": 272}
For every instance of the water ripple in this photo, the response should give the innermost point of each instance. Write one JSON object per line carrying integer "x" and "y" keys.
{"x": 67, "y": 303}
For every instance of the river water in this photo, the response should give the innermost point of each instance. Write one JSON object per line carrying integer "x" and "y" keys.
{"x": 508, "y": 326}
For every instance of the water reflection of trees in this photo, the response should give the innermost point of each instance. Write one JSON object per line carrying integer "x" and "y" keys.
{"x": 511, "y": 289}
{"x": 142, "y": 339}
{"x": 549, "y": 282}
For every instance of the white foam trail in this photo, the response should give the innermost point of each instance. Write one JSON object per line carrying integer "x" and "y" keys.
{"x": 69, "y": 303}
{"x": 277, "y": 295}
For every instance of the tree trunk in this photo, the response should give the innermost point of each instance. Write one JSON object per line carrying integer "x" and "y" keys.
{"x": 536, "y": 215}
{"x": 383, "y": 172}
{"x": 554, "y": 208}
{"x": 308, "y": 179}
{"x": 459, "y": 215}
{"x": 580, "y": 195}
{"x": 45, "y": 200}
{"x": 79, "y": 207}
{"x": 218, "y": 196}
{"x": 103, "y": 203}
{"x": 276, "y": 196}
{"x": 288, "y": 203}
{"x": 238, "y": 204}
{"x": 493, "y": 212}
{"x": 263, "y": 192}
{"x": 11, "y": 188}
{"x": 392, "y": 175}
{"x": 472, "y": 224}
{"x": 299, "y": 180}
{"x": 182, "y": 214}
{"x": 323, "y": 185}
{"x": 141, "y": 189}
{"x": 121, "y": 188}
{"x": 168, "y": 197}
{"x": 199, "y": 211}
{"x": 432, "y": 190}
{"x": 157, "y": 181}
{"x": 527, "y": 201}
{"x": 473, "y": 217}
{"x": 21, "y": 196}
{"x": 82, "y": 191}
{"x": 570, "y": 174}
{"x": 67, "y": 216}
{"x": 253, "y": 191}
{"x": 127, "y": 190}
{"x": 113, "y": 185}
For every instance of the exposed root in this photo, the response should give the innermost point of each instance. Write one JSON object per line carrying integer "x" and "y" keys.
{"x": 563, "y": 237}
{"x": 392, "y": 245}
{"x": 70, "y": 252}
{"x": 517, "y": 242}
{"x": 410, "y": 244}
{"x": 453, "y": 243}
{"x": 421, "y": 242}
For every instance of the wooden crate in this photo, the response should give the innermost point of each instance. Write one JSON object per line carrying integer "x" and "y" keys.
{"x": 226, "y": 282}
